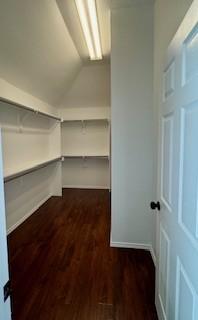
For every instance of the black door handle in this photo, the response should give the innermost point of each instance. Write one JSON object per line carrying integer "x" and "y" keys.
{"x": 155, "y": 205}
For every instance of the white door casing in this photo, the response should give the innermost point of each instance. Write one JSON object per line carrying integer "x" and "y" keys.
{"x": 5, "y": 312}
{"x": 177, "y": 267}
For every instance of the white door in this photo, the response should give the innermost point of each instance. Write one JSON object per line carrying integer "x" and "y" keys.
{"x": 5, "y": 313}
{"x": 177, "y": 267}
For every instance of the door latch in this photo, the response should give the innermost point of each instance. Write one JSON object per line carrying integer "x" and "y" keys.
{"x": 155, "y": 205}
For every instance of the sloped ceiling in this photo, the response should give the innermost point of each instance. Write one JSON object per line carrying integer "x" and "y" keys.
{"x": 70, "y": 16}
{"x": 42, "y": 47}
{"x": 91, "y": 87}
{"x": 116, "y": 4}
{"x": 37, "y": 53}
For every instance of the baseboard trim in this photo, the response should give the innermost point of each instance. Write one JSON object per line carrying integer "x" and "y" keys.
{"x": 26, "y": 216}
{"x": 85, "y": 187}
{"x": 153, "y": 255}
{"x": 130, "y": 245}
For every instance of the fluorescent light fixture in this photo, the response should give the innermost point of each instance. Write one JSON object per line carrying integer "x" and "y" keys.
{"x": 89, "y": 22}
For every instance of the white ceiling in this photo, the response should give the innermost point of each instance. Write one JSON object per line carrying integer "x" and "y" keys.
{"x": 116, "y": 4}
{"x": 91, "y": 87}
{"x": 42, "y": 45}
{"x": 70, "y": 16}
{"x": 37, "y": 53}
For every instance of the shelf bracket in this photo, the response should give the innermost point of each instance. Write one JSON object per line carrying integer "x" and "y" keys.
{"x": 21, "y": 118}
{"x": 83, "y": 123}
{"x": 84, "y": 162}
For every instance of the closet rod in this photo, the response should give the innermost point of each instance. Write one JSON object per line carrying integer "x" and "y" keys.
{"x": 21, "y": 106}
{"x": 32, "y": 169}
{"x": 85, "y": 156}
{"x": 86, "y": 120}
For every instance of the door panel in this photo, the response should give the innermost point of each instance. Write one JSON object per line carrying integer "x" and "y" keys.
{"x": 190, "y": 56}
{"x": 169, "y": 81}
{"x": 188, "y": 196}
{"x": 164, "y": 265}
{"x": 177, "y": 268}
{"x": 186, "y": 297}
{"x": 167, "y": 143}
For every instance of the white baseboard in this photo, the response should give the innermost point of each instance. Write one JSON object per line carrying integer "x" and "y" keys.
{"x": 84, "y": 187}
{"x": 130, "y": 245}
{"x": 153, "y": 255}
{"x": 26, "y": 216}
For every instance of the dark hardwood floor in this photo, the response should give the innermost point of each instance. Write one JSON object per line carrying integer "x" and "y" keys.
{"x": 62, "y": 267}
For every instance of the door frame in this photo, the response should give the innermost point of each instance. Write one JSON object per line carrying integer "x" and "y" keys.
{"x": 5, "y": 306}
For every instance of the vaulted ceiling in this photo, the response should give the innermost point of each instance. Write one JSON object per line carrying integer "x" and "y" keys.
{"x": 70, "y": 16}
{"x": 42, "y": 48}
{"x": 116, "y": 4}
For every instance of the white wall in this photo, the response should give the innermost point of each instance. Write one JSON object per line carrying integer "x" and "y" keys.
{"x": 88, "y": 98}
{"x": 10, "y": 92}
{"x": 28, "y": 139}
{"x": 87, "y": 138}
{"x": 23, "y": 196}
{"x": 85, "y": 113}
{"x": 86, "y": 173}
{"x": 132, "y": 122}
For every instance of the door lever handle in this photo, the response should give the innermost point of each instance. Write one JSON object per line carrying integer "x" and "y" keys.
{"x": 155, "y": 205}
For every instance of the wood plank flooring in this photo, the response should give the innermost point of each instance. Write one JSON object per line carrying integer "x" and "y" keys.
{"x": 62, "y": 267}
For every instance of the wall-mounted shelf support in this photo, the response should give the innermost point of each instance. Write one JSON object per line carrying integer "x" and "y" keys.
{"x": 21, "y": 118}
{"x": 83, "y": 123}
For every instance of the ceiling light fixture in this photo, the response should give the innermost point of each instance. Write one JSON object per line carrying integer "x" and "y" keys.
{"x": 89, "y": 22}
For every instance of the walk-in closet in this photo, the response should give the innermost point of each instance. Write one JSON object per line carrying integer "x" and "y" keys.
{"x": 98, "y": 128}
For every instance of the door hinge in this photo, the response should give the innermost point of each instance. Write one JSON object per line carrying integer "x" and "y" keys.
{"x": 7, "y": 290}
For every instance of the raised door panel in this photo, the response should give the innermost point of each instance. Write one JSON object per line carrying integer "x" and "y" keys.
{"x": 190, "y": 56}
{"x": 164, "y": 265}
{"x": 169, "y": 81}
{"x": 186, "y": 297}
{"x": 167, "y": 157}
{"x": 188, "y": 186}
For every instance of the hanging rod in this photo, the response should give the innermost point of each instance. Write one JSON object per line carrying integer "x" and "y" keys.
{"x": 85, "y": 120}
{"x": 21, "y": 106}
{"x": 29, "y": 170}
{"x": 85, "y": 156}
